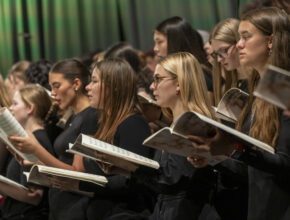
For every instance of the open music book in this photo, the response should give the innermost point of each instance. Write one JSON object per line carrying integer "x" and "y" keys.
{"x": 231, "y": 105}
{"x": 47, "y": 176}
{"x": 10, "y": 126}
{"x": 175, "y": 140}
{"x": 274, "y": 87}
{"x": 12, "y": 187}
{"x": 90, "y": 147}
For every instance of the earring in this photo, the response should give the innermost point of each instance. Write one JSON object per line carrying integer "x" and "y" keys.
{"x": 270, "y": 52}
{"x": 76, "y": 89}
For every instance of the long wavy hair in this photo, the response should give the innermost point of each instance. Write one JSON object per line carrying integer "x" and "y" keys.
{"x": 193, "y": 91}
{"x": 275, "y": 23}
{"x": 226, "y": 31}
{"x": 5, "y": 100}
{"x": 119, "y": 92}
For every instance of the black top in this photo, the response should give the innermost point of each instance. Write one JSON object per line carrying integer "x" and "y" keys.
{"x": 182, "y": 189}
{"x": 120, "y": 193}
{"x": 269, "y": 177}
{"x": 13, "y": 209}
{"x": 84, "y": 122}
{"x": 66, "y": 205}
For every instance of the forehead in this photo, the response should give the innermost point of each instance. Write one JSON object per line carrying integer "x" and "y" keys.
{"x": 17, "y": 96}
{"x": 96, "y": 73}
{"x": 216, "y": 44}
{"x": 56, "y": 77}
{"x": 159, "y": 70}
{"x": 246, "y": 27}
{"x": 158, "y": 35}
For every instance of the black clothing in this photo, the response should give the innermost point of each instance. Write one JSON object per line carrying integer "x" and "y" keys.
{"x": 183, "y": 190}
{"x": 67, "y": 205}
{"x": 269, "y": 177}
{"x": 121, "y": 196}
{"x": 13, "y": 209}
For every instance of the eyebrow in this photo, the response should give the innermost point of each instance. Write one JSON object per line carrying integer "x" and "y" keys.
{"x": 244, "y": 32}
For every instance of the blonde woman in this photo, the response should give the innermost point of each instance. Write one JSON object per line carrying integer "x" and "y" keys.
{"x": 30, "y": 113}
{"x": 264, "y": 39}
{"x": 178, "y": 85}
{"x": 227, "y": 72}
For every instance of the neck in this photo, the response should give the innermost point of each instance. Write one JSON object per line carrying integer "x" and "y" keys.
{"x": 81, "y": 103}
{"x": 177, "y": 109}
{"x": 32, "y": 124}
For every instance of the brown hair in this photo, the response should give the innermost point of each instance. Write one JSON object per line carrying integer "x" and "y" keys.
{"x": 118, "y": 87}
{"x": 271, "y": 22}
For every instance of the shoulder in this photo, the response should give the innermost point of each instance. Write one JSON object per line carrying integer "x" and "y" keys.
{"x": 135, "y": 120}
{"x": 42, "y": 137}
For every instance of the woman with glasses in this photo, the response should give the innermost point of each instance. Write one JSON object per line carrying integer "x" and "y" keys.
{"x": 227, "y": 72}
{"x": 231, "y": 175}
{"x": 264, "y": 39}
{"x": 179, "y": 86}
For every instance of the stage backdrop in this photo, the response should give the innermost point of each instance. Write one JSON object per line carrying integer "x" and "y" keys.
{"x": 57, "y": 29}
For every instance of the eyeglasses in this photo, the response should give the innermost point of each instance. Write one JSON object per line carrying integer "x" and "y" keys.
{"x": 157, "y": 79}
{"x": 221, "y": 53}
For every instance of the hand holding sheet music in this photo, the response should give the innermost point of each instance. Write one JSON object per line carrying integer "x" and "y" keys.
{"x": 10, "y": 126}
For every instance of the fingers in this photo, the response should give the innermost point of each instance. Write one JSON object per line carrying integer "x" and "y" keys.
{"x": 197, "y": 139}
{"x": 197, "y": 161}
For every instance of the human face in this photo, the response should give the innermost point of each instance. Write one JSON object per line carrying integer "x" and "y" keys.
{"x": 208, "y": 49}
{"x": 94, "y": 89}
{"x": 253, "y": 46}
{"x": 62, "y": 90}
{"x": 160, "y": 44}
{"x": 13, "y": 84}
{"x": 19, "y": 110}
{"x": 226, "y": 54}
{"x": 165, "y": 87}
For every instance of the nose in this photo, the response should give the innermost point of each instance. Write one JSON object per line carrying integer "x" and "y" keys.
{"x": 155, "y": 49}
{"x": 220, "y": 59}
{"x": 88, "y": 87}
{"x": 152, "y": 86}
{"x": 240, "y": 44}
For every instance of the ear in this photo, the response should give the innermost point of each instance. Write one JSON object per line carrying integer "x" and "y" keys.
{"x": 77, "y": 84}
{"x": 177, "y": 89}
{"x": 270, "y": 41}
{"x": 30, "y": 110}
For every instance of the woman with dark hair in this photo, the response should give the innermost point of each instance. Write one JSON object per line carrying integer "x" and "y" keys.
{"x": 175, "y": 34}
{"x": 37, "y": 73}
{"x": 68, "y": 79}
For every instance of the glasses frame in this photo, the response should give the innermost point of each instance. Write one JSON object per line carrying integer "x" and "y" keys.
{"x": 222, "y": 53}
{"x": 158, "y": 79}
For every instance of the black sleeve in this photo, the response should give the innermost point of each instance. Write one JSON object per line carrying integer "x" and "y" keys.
{"x": 278, "y": 163}
{"x": 130, "y": 135}
{"x": 174, "y": 171}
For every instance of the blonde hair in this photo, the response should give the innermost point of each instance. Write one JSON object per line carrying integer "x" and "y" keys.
{"x": 5, "y": 100}
{"x": 275, "y": 23}
{"x": 193, "y": 91}
{"x": 119, "y": 92}
{"x": 18, "y": 70}
{"x": 226, "y": 31}
{"x": 35, "y": 95}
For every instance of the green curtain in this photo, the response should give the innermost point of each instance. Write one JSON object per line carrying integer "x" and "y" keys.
{"x": 58, "y": 29}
